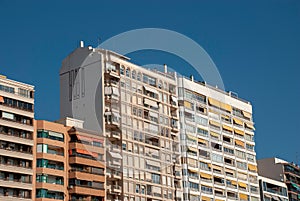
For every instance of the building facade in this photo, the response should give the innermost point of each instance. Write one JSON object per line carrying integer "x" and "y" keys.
{"x": 70, "y": 162}
{"x": 167, "y": 137}
{"x": 217, "y": 144}
{"x": 137, "y": 111}
{"x": 16, "y": 140}
{"x": 272, "y": 190}
{"x": 283, "y": 171}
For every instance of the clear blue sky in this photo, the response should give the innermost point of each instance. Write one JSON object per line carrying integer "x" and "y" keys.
{"x": 255, "y": 45}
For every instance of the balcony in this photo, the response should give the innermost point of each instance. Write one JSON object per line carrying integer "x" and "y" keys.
{"x": 115, "y": 148}
{"x": 16, "y": 154}
{"x": 114, "y": 175}
{"x": 14, "y": 198}
{"x": 16, "y": 183}
{"x": 86, "y": 190}
{"x": 114, "y": 189}
{"x": 114, "y": 135}
{"x": 113, "y": 73}
{"x": 13, "y": 124}
{"x": 114, "y": 164}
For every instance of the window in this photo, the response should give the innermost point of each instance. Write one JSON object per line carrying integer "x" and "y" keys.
{"x": 201, "y": 120}
{"x": 155, "y": 178}
{"x": 7, "y": 89}
{"x": 228, "y": 150}
{"x": 7, "y": 115}
{"x": 201, "y": 131}
{"x": 216, "y": 146}
{"x": 250, "y": 147}
{"x": 50, "y": 134}
{"x": 241, "y": 165}
{"x": 194, "y": 186}
{"x": 206, "y": 189}
{"x": 227, "y": 139}
{"x": 127, "y": 72}
{"x": 216, "y": 157}
{"x": 122, "y": 70}
{"x": 133, "y": 74}
{"x": 240, "y": 154}
{"x": 41, "y": 148}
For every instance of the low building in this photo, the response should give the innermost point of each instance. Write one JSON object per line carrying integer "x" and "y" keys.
{"x": 69, "y": 161}
{"x": 283, "y": 171}
{"x": 271, "y": 189}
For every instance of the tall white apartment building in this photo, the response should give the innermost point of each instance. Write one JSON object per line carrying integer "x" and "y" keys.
{"x": 217, "y": 144}
{"x": 136, "y": 110}
{"x": 16, "y": 140}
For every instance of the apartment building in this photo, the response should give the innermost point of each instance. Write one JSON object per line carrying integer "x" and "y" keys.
{"x": 272, "y": 190}
{"x": 16, "y": 140}
{"x": 69, "y": 161}
{"x": 217, "y": 144}
{"x": 137, "y": 111}
{"x": 283, "y": 171}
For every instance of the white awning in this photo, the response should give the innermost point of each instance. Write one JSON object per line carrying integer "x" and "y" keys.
{"x": 153, "y": 163}
{"x": 115, "y": 91}
{"x": 150, "y": 102}
{"x": 107, "y": 113}
{"x": 116, "y": 115}
{"x": 151, "y": 90}
{"x": 173, "y": 98}
{"x": 115, "y": 155}
{"x": 153, "y": 114}
{"x": 54, "y": 134}
{"x": 156, "y": 189}
{"x": 107, "y": 90}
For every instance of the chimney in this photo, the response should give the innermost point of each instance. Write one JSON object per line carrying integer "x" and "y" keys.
{"x": 81, "y": 43}
{"x": 192, "y": 78}
{"x": 165, "y": 68}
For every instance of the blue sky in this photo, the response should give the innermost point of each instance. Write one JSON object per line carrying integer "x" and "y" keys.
{"x": 255, "y": 45}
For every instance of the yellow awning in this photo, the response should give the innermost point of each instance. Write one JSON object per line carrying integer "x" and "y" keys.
{"x": 247, "y": 114}
{"x": 227, "y": 128}
{"x": 241, "y": 143}
{"x": 213, "y": 111}
{"x": 252, "y": 167}
{"x": 226, "y": 107}
{"x": 202, "y": 141}
{"x": 239, "y": 132}
{"x": 233, "y": 183}
{"x": 243, "y": 196}
{"x": 206, "y": 176}
{"x": 218, "y": 200}
{"x": 214, "y": 102}
{"x": 214, "y": 134}
{"x": 193, "y": 149}
{"x": 192, "y": 170}
{"x": 225, "y": 117}
{"x": 214, "y": 123}
{"x": 187, "y": 104}
{"x": 237, "y": 121}
{"x": 250, "y": 126}
{"x": 204, "y": 198}
{"x": 217, "y": 167}
{"x": 241, "y": 184}
{"x": 192, "y": 137}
